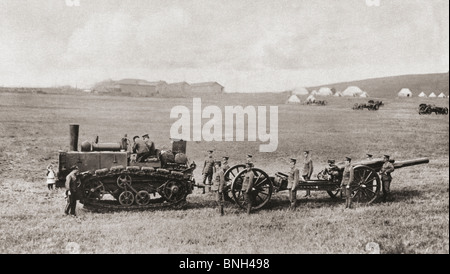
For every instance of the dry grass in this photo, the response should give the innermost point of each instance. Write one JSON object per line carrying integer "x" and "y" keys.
{"x": 34, "y": 127}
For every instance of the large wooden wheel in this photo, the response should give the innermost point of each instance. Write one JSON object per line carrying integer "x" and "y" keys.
{"x": 262, "y": 189}
{"x": 229, "y": 175}
{"x": 367, "y": 185}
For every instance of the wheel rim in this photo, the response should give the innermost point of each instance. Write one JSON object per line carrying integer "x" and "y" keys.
{"x": 123, "y": 180}
{"x": 126, "y": 198}
{"x": 229, "y": 176}
{"x": 142, "y": 198}
{"x": 366, "y": 185}
{"x": 174, "y": 191}
{"x": 94, "y": 190}
{"x": 262, "y": 189}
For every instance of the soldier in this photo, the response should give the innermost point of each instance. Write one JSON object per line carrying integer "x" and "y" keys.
{"x": 307, "y": 169}
{"x": 293, "y": 180}
{"x": 369, "y": 157}
{"x": 386, "y": 178}
{"x": 208, "y": 169}
{"x": 225, "y": 165}
{"x": 247, "y": 186}
{"x": 141, "y": 148}
{"x": 150, "y": 145}
{"x": 218, "y": 185}
{"x": 347, "y": 181}
{"x": 72, "y": 184}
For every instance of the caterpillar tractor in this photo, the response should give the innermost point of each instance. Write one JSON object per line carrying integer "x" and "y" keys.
{"x": 112, "y": 178}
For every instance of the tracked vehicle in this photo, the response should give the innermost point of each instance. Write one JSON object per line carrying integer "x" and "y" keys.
{"x": 165, "y": 177}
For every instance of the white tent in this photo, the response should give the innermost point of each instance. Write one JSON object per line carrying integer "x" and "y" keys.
{"x": 405, "y": 92}
{"x": 293, "y": 99}
{"x": 364, "y": 95}
{"x": 422, "y": 94}
{"x": 310, "y": 99}
{"x": 314, "y": 92}
{"x": 338, "y": 94}
{"x": 324, "y": 91}
{"x": 300, "y": 91}
{"x": 432, "y": 95}
{"x": 442, "y": 95}
{"x": 352, "y": 91}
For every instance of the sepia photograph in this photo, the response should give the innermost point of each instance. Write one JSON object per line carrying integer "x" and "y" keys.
{"x": 224, "y": 132}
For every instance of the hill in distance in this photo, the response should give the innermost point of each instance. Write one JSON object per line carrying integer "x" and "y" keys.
{"x": 388, "y": 87}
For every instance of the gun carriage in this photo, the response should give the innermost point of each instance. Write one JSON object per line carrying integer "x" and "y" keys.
{"x": 366, "y": 186}
{"x": 429, "y": 109}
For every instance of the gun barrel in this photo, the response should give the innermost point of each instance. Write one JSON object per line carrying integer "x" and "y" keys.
{"x": 400, "y": 164}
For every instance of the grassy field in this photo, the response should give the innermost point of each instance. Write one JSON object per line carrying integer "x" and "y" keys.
{"x": 34, "y": 127}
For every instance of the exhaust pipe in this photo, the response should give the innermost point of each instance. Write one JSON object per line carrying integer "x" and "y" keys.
{"x": 73, "y": 137}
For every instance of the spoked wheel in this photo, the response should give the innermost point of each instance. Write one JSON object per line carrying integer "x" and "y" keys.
{"x": 174, "y": 191}
{"x": 124, "y": 180}
{"x": 94, "y": 190}
{"x": 262, "y": 189}
{"x": 126, "y": 198}
{"x": 142, "y": 197}
{"x": 367, "y": 185}
{"x": 229, "y": 175}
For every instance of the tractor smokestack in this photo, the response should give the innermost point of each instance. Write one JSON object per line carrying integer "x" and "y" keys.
{"x": 74, "y": 137}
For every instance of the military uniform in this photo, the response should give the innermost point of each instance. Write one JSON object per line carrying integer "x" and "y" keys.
{"x": 386, "y": 178}
{"x": 346, "y": 184}
{"x": 72, "y": 184}
{"x": 218, "y": 187}
{"x": 247, "y": 186}
{"x": 141, "y": 148}
{"x": 208, "y": 170}
{"x": 293, "y": 179}
{"x": 307, "y": 172}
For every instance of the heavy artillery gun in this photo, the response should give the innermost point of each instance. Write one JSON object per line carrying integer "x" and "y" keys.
{"x": 366, "y": 187}
{"x": 108, "y": 168}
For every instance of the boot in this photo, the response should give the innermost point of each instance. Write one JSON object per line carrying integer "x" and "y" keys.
{"x": 249, "y": 208}
{"x": 221, "y": 210}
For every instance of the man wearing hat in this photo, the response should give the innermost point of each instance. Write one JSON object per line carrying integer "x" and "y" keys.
{"x": 225, "y": 165}
{"x": 218, "y": 185}
{"x": 150, "y": 145}
{"x": 141, "y": 149}
{"x": 247, "y": 186}
{"x": 307, "y": 169}
{"x": 208, "y": 170}
{"x": 249, "y": 159}
{"x": 72, "y": 184}
{"x": 369, "y": 157}
{"x": 386, "y": 178}
{"x": 347, "y": 181}
{"x": 293, "y": 179}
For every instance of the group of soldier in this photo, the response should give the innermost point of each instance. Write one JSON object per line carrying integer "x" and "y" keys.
{"x": 214, "y": 178}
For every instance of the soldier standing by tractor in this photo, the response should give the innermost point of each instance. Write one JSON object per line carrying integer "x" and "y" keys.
{"x": 307, "y": 169}
{"x": 347, "y": 181}
{"x": 72, "y": 184}
{"x": 208, "y": 170}
{"x": 247, "y": 186}
{"x": 218, "y": 185}
{"x": 293, "y": 179}
{"x": 386, "y": 177}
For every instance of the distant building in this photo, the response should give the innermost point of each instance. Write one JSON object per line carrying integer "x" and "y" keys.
{"x": 178, "y": 88}
{"x": 140, "y": 87}
{"x": 207, "y": 87}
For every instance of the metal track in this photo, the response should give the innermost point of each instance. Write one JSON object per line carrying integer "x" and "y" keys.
{"x": 134, "y": 172}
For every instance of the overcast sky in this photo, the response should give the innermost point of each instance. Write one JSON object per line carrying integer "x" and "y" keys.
{"x": 245, "y": 45}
